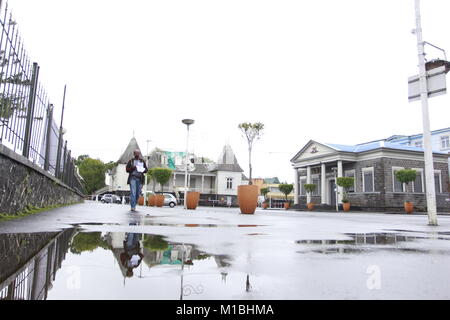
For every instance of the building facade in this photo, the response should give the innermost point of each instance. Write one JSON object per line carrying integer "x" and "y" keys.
{"x": 373, "y": 165}
{"x": 217, "y": 182}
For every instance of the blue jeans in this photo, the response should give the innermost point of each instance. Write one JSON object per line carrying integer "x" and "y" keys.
{"x": 135, "y": 188}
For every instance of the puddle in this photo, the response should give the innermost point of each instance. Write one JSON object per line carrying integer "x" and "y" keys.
{"x": 182, "y": 225}
{"x": 369, "y": 242}
{"x": 113, "y": 265}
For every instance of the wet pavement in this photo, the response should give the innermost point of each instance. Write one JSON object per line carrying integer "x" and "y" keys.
{"x": 104, "y": 251}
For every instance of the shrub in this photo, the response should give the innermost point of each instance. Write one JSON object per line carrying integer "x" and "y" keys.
{"x": 162, "y": 176}
{"x": 286, "y": 189}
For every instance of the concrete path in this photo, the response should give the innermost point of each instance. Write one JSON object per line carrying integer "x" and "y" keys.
{"x": 273, "y": 254}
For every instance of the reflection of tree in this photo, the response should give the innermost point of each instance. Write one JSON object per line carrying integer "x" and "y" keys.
{"x": 88, "y": 242}
{"x": 155, "y": 243}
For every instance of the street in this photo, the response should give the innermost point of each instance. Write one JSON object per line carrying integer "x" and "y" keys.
{"x": 218, "y": 253}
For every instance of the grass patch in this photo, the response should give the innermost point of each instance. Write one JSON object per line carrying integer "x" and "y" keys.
{"x": 30, "y": 210}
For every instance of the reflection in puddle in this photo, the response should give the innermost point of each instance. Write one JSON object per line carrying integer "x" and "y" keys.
{"x": 135, "y": 256}
{"x": 367, "y": 242}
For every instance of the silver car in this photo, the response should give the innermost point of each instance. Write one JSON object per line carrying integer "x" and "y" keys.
{"x": 170, "y": 200}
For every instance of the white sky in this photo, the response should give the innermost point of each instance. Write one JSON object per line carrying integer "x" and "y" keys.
{"x": 327, "y": 70}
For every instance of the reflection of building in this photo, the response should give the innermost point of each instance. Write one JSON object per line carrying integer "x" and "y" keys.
{"x": 217, "y": 182}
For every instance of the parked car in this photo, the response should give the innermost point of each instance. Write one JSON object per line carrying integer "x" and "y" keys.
{"x": 170, "y": 200}
{"x": 111, "y": 198}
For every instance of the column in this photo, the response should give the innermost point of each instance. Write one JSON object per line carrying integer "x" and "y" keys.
{"x": 296, "y": 186}
{"x": 340, "y": 174}
{"x": 174, "y": 181}
{"x": 203, "y": 182}
{"x": 323, "y": 182}
{"x": 308, "y": 181}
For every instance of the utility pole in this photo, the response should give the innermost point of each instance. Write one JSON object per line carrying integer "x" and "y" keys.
{"x": 429, "y": 168}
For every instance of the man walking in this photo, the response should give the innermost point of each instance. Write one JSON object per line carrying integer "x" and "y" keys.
{"x": 136, "y": 169}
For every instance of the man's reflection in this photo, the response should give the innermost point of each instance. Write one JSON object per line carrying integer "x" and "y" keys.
{"x": 131, "y": 258}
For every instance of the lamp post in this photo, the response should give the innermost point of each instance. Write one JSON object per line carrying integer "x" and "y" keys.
{"x": 335, "y": 172}
{"x": 187, "y": 122}
{"x": 429, "y": 170}
{"x": 145, "y": 183}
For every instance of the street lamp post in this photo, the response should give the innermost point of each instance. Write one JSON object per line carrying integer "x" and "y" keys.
{"x": 145, "y": 176}
{"x": 187, "y": 122}
{"x": 429, "y": 169}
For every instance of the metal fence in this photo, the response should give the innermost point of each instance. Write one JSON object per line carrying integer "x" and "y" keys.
{"x": 27, "y": 123}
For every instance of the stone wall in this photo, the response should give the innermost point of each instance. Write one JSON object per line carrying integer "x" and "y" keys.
{"x": 383, "y": 198}
{"x": 23, "y": 185}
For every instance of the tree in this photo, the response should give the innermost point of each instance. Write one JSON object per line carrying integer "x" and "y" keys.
{"x": 93, "y": 173}
{"x": 81, "y": 158}
{"x": 264, "y": 192}
{"x": 151, "y": 177}
{"x": 346, "y": 183}
{"x": 162, "y": 176}
{"x": 252, "y": 132}
{"x": 286, "y": 189}
{"x": 309, "y": 187}
{"x": 155, "y": 243}
{"x": 88, "y": 241}
{"x": 406, "y": 176}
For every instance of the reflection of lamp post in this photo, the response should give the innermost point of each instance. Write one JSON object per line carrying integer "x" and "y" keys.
{"x": 187, "y": 122}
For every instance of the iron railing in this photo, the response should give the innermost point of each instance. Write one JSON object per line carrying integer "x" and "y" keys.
{"x": 27, "y": 124}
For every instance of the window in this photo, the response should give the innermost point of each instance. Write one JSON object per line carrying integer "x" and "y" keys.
{"x": 316, "y": 181}
{"x": 397, "y": 185}
{"x": 418, "y": 183}
{"x": 445, "y": 142}
{"x": 229, "y": 183}
{"x": 368, "y": 180}
{"x": 418, "y": 144}
{"x": 351, "y": 174}
{"x": 302, "y": 186}
{"x": 437, "y": 181}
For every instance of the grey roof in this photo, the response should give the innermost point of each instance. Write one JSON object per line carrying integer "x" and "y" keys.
{"x": 227, "y": 161}
{"x": 376, "y": 145}
{"x": 128, "y": 153}
{"x": 273, "y": 180}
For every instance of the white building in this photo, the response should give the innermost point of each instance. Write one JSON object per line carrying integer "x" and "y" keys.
{"x": 440, "y": 140}
{"x": 217, "y": 182}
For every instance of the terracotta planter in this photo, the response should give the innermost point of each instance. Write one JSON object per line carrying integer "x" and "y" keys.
{"x": 159, "y": 200}
{"x": 310, "y": 206}
{"x": 265, "y": 205}
{"x": 346, "y": 206}
{"x": 248, "y": 198}
{"x": 141, "y": 201}
{"x": 151, "y": 200}
{"x": 286, "y": 205}
{"x": 192, "y": 200}
{"x": 409, "y": 207}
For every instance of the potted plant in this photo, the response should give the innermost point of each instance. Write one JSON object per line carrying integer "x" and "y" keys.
{"x": 192, "y": 198}
{"x": 346, "y": 183}
{"x": 286, "y": 189}
{"x": 162, "y": 176}
{"x": 264, "y": 192}
{"x": 248, "y": 194}
{"x": 406, "y": 176}
{"x": 309, "y": 187}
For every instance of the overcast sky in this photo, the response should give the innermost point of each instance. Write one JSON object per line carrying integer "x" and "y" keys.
{"x": 327, "y": 70}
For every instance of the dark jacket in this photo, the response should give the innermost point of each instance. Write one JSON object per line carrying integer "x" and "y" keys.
{"x": 130, "y": 168}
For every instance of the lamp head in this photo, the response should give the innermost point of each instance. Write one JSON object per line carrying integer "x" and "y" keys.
{"x": 187, "y": 121}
